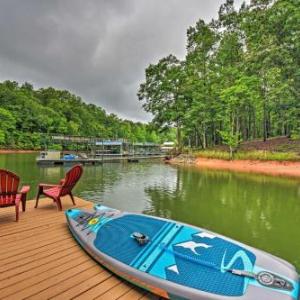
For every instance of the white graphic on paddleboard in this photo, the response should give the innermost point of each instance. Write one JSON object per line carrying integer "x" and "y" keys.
{"x": 201, "y": 262}
{"x": 192, "y": 246}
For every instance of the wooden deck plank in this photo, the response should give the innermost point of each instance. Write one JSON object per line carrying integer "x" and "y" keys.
{"x": 116, "y": 291}
{"x": 46, "y": 208}
{"x": 43, "y": 242}
{"x": 35, "y": 226}
{"x": 29, "y": 235}
{"x": 52, "y": 270}
{"x": 133, "y": 294}
{"x": 32, "y": 249}
{"x": 39, "y": 259}
{"x": 33, "y": 235}
{"x": 61, "y": 286}
{"x": 51, "y": 281}
{"x": 16, "y": 266}
{"x": 99, "y": 289}
{"x": 41, "y": 266}
{"x": 58, "y": 231}
{"x": 32, "y": 225}
{"x": 84, "y": 286}
{"x": 26, "y": 220}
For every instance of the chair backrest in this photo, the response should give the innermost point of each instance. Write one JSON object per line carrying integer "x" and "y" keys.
{"x": 9, "y": 183}
{"x": 71, "y": 179}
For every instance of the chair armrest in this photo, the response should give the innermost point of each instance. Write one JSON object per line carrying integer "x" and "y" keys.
{"x": 47, "y": 185}
{"x": 25, "y": 189}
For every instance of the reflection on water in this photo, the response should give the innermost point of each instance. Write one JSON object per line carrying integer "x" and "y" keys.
{"x": 259, "y": 210}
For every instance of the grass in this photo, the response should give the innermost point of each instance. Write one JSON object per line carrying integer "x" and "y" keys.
{"x": 279, "y": 148}
{"x": 249, "y": 155}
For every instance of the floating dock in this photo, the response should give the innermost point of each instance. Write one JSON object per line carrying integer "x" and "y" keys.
{"x": 39, "y": 259}
{"x": 97, "y": 161}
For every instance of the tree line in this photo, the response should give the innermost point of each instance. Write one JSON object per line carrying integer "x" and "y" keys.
{"x": 28, "y": 116}
{"x": 239, "y": 80}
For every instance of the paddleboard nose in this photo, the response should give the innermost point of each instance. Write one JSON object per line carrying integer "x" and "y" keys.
{"x": 72, "y": 212}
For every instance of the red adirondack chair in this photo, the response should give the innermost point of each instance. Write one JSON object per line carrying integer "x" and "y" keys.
{"x": 62, "y": 189}
{"x": 9, "y": 195}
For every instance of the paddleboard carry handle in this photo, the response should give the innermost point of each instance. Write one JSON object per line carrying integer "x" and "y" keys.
{"x": 266, "y": 279}
{"x": 141, "y": 238}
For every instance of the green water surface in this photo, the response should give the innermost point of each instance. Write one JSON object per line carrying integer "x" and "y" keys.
{"x": 261, "y": 211}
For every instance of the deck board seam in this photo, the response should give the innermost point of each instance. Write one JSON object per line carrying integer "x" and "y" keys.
{"x": 9, "y": 290}
{"x": 122, "y": 283}
{"x": 51, "y": 277}
{"x": 28, "y": 271}
{"x": 35, "y": 260}
{"x": 101, "y": 282}
{"x": 33, "y": 249}
{"x": 75, "y": 284}
{"x": 69, "y": 276}
{"x": 28, "y": 241}
{"x": 21, "y": 272}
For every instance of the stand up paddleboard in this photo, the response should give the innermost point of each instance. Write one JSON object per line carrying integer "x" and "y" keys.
{"x": 179, "y": 261}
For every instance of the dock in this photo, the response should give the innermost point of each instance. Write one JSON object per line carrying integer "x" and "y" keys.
{"x": 98, "y": 160}
{"x": 39, "y": 259}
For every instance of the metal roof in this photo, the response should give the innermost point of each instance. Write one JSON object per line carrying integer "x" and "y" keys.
{"x": 110, "y": 143}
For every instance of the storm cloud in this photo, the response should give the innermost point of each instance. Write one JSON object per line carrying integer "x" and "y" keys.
{"x": 97, "y": 49}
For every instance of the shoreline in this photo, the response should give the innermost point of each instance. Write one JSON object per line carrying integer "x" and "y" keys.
{"x": 10, "y": 151}
{"x": 273, "y": 168}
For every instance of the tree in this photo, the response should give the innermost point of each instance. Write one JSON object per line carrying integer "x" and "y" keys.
{"x": 242, "y": 94}
{"x": 200, "y": 47}
{"x": 8, "y": 124}
{"x": 162, "y": 93}
{"x": 29, "y": 117}
{"x": 240, "y": 78}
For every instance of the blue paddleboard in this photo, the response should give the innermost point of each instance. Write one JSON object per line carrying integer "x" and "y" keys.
{"x": 175, "y": 260}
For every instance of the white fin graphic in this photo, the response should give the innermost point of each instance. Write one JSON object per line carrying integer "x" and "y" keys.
{"x": 204, "y": 234}
{"x": 192, "y": 246}
{"x": 174, "y": 269}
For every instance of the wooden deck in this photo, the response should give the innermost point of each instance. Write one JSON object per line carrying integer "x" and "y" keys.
{"x": 39, "y": 259}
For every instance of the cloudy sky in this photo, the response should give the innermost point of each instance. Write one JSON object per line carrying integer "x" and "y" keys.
{"x": 97, "y": 49}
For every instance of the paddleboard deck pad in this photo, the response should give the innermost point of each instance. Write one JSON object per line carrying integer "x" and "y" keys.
{"x": 179, "y": 261}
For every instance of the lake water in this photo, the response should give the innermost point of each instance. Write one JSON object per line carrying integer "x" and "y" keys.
{"x": 258, "y": 210}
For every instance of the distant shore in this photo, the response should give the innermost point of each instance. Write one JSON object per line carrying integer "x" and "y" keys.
{"x": 6, "y": 151}
{"x": 274, "y": 168}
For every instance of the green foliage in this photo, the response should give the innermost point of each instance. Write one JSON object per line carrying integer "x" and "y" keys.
{"x": 56, "y": 147}
{"x": 27, "y": 115}
{"x": 251, "y": 155}
{"x": 231, "y": 139}
{"x": 240, "y": 79}
{"x": 162, "y": 94}
{"x": 295, "y": 135}
{"x": 8, "y": 124}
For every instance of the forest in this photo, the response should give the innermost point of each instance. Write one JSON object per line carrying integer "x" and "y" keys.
{"x": 239, "y": 80}
{"x": 29, "y": 117}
